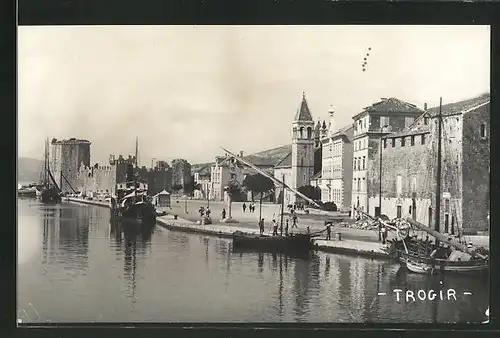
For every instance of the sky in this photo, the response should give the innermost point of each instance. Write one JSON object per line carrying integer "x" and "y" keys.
{"x": 185, "y": 91}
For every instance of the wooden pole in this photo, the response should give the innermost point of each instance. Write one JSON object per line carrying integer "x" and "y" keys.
{"x": 438, "y": 171}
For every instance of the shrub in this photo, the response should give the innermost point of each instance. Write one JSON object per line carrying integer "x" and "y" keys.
{"x": 330, "y": 206}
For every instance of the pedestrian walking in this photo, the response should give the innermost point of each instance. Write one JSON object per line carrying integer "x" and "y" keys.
{"x": 253, "y": 207}
{"x": 328, "y": 231}
{"x": 275, "y": 228}
{"x": 294, "y": 220}
{"x": 244, "y": 207}
{"x": 208, "y": 212}
{"x": 223, "y": 213}
{"x": 261, "y": 226}
{"x": 201, "y": 211}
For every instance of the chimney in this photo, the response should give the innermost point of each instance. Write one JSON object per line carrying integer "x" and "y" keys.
{"x": 241, "y": 153}
{"x": 425, "y": 106}
{"x": 331, "y": 125}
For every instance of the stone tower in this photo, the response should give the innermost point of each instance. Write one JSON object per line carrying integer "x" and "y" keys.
{"x": 302, "y": 147}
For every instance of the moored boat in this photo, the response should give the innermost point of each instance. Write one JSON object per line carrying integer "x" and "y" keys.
{"x": 282, "y": 244}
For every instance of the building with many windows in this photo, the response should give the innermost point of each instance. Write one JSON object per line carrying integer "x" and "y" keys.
{"x": 409, "y": 162}
{"x": 374, "y": 122}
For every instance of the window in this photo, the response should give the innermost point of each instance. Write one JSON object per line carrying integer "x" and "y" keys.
{"x": 446, "y": 205}
{"x": 399, "y": 184}
{"x": 394, "y": 143}
{"x": 301, "y": 162}
{"x": 403, "y": 141}
{"x": 412, "y": 140}
{"x": 364, "y": 162}
{"x": 409, "y": 210}
{"x": 483, "y": 130}
{"x": 426, "y": 120}
{"x": 423, "y": 139}
{"x": 354, "y": 167}
{"x": 359, "y": 184}
{"x": 363, "y": 186}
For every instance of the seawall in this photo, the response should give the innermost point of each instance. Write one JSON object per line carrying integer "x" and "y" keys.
{"x": 347, "y": 246}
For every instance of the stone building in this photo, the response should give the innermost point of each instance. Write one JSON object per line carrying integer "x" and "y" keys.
{"x": 337, "y": 157}
{"x": 181, "y": 172}
{"x": 67, "y": 156}
{"x": 374, "y": 122}
{"x": 409, "y": 168}
{"x": 159, "y": 178}
{"x": 97, "y": 179}
{"x": 202, "y": 177}
{"x": 224, "y": 170}
{"x": 121, "y": 164}
{"x": 297, "y": 168}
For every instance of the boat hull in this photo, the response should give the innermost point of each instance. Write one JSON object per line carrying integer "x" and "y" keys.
{"x": 421, "y": 265}
{"x": 273, "y": 244}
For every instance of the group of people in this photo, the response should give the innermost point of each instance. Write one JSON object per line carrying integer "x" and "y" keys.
{"x": 204, "y": 212}
{"x": 251, "y": 207}
{"x": 275, "y": 226}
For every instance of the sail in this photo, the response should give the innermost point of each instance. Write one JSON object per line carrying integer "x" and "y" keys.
{"x": 274, "y": 179}
{"x": 443, "y": 238}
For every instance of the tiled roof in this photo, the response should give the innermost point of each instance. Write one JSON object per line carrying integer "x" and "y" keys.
{"x": 260, "y": 161}
{"x": 391, "y": 105}
{"x": 303, "y": 113}
{"x": 285, "y": 162}
{"x": 460, "y": 106}
{"x": 343, "y": 131}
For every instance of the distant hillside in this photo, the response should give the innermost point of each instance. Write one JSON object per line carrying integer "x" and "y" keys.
{"x": 28, "y": 169}
{"x": 270, "y": 156}
{"x": 277, "y": 154}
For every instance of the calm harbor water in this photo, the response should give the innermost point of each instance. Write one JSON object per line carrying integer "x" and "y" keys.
{"x": 74, "y": 267}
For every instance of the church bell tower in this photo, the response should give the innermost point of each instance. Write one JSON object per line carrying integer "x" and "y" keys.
{"x": 302, "y": 147}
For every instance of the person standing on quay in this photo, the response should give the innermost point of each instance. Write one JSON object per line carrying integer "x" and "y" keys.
{"x": 286, "y": 227}
{"x": 328, "y": 231}
{"x": 223, "y": 213}
{"x": 244, "y": 207}
{"x": 275, "y": 228}
{"x": 294, "y": 220}
{"x": 208, "y": 212}
{"x": 261, "y": 226}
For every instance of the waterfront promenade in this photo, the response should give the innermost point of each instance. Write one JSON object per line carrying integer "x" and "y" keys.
{"x": 353, "y": 241}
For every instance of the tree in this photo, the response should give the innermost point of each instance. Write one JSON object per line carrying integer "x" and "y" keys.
{"x": 176, "y": 187}
{"x": 190, "y": 186}
{"x": 232, "y": 189}
{"x": 313, "y": 193}
{"x": 259, "y": 184}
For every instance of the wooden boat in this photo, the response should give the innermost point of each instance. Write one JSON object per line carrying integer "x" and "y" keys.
{"x": 133, "y": 204}
{"x": 48, "y": 191}
{"x": 28, "y": 191}
{"x": 278, "y": 244}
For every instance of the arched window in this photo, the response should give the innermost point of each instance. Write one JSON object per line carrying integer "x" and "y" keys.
{"x": 309, "y": 132}
{"x": 301, "y": 132}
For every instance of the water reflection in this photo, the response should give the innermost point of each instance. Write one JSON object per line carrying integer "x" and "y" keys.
{"x": 121, "y": 272}
{"x": 134, "y": 239}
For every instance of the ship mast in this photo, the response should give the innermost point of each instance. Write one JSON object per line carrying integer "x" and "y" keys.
{"x": 438, "y": 170}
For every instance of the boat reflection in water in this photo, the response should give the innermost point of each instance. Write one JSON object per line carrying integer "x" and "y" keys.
{"x": 134, "y": 239}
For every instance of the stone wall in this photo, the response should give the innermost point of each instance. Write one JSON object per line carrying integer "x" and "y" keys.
{"x": 97, "y": 179}
{"x": 476, "y": 170}
{"x": 66, "y": 159}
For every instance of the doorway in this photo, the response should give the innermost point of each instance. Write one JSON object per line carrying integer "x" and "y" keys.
{"x": 399, "y": 212}
{"x": 430, "y": 217}
{"x": 446, "y": 220}
{"x": 452, "y": 225}
{"x": 414, "y": 209}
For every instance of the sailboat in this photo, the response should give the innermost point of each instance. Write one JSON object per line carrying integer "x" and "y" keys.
{"x": 296, "y": 242}
{"x": 48, "y": 191}
{"x": 428, "y": 258}
{"x": 132, "y": 203}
